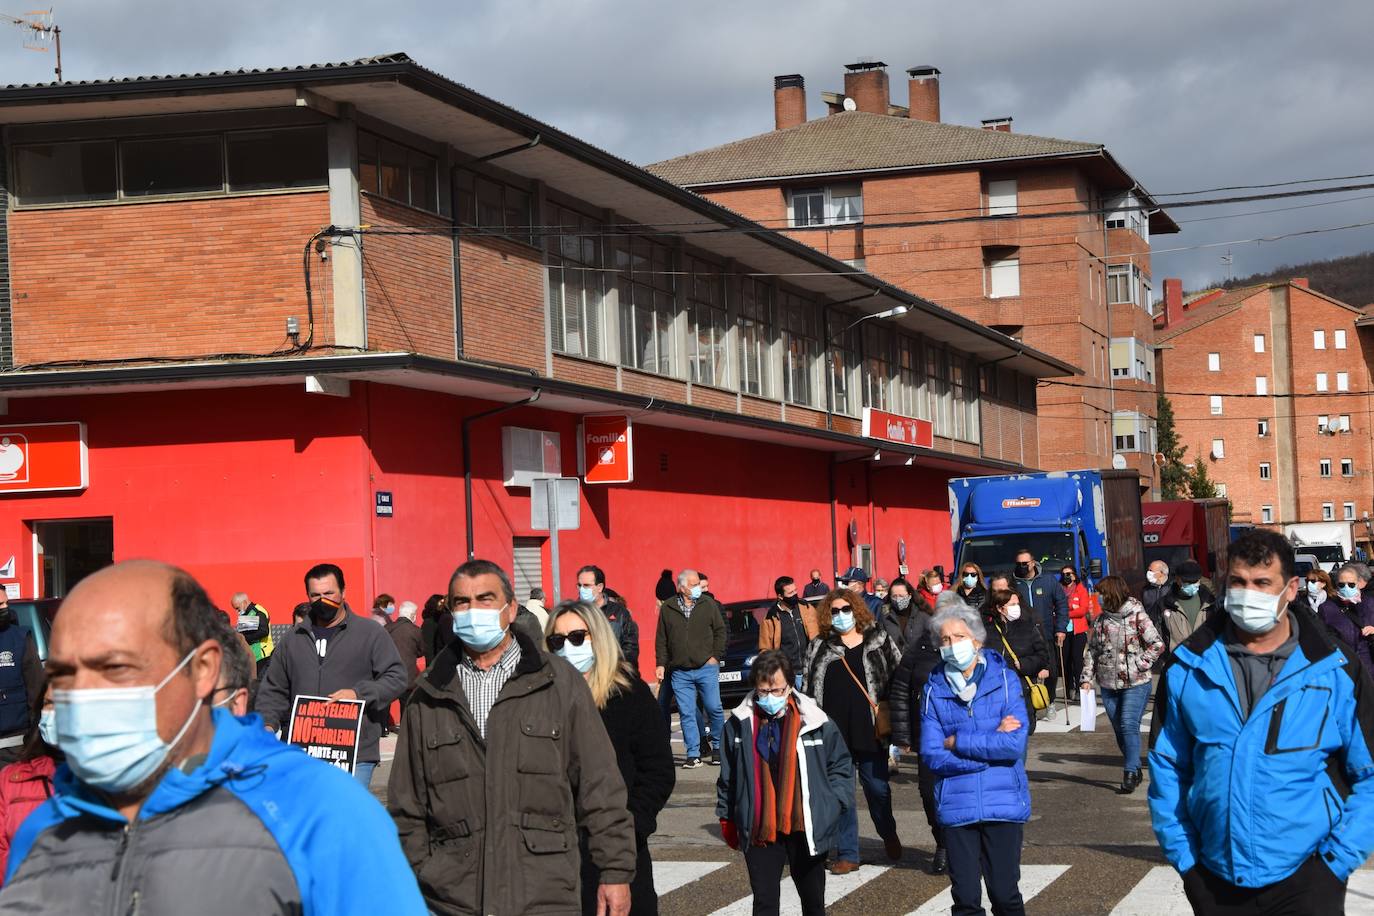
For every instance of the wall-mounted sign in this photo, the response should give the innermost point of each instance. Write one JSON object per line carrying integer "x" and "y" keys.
{"x": 385, "y": 507}
{"x": 607, "y": 453}
{"x": 37, "y": 457}
{"x": 891, "y": 427}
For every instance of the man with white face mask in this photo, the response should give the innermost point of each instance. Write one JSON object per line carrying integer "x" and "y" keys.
{"x": 503, "y": 763}
{"x": 167, "y": 806}
{"x": 1262, "y": 776}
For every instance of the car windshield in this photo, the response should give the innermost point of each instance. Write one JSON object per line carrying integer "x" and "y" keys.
{"x": 1326, "y": 553}
{"x": 996, "y": 553}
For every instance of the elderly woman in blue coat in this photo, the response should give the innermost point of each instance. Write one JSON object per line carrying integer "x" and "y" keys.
{"x": 973, "y": 737}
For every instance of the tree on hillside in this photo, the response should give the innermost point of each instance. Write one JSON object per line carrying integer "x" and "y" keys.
{"x": 1200, "y": 485}
{"x": 1173, "y": 476}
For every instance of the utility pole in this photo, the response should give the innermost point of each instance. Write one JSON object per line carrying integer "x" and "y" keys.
{"x": 39, "y": 30}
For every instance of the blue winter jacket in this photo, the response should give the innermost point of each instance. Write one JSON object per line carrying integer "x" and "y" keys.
{"x": 259, "y": 827}
{"x": 1252, "y": 800}
{"x": 983, "y": 778}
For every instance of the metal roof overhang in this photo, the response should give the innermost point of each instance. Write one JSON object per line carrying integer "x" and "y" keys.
{"x": 478, "y": 381}
{"x": 424, "y": 103}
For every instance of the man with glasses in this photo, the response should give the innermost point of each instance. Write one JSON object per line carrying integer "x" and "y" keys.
{"x": 234, "y": 690}
{"x": 503, "y": 763}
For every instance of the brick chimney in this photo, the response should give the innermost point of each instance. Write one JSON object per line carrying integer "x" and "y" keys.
{"x": 1002, "y": 124}
{"x": 866, "y": 84}
{"x": 1173, "y": 301}
{"x": 1301, "y": 281}
{"x": 789, "y": 101}
{"x": 923, "y": 93}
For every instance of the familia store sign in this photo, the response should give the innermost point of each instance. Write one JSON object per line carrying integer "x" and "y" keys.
{"x": 606, "y": 454}
{"x": 891, "y": 427}
{"x": 39, "y": 457}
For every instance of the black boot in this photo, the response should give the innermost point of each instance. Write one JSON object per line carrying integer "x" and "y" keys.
{"x": 1129, "y": 780}
{"x": 939, "y": 863}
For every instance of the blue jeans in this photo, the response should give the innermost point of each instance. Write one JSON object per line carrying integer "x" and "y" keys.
{"x": 1124, "y": 708}
{"x": 363, "y": 773}
{"x": 873, "y": 775}
{"x": 687, "y": 685}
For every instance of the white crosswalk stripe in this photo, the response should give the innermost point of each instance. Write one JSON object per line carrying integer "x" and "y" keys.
{"x": 835, "y": 889}
{"x": 669, "y": 876}
{"x": 1159, "y": 893}
{"x": 1034, "y": 879}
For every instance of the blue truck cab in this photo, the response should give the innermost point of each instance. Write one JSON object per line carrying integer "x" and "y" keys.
{"x": 1086, "y": 519}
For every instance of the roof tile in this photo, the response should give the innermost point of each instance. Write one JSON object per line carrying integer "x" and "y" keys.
{"x": 854, "y": 141}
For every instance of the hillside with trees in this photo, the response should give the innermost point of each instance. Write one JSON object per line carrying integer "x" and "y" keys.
{"x": 1349, "y": 279}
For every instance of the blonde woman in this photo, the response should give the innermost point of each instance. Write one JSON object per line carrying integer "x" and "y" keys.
{"x": 580, "y": 635}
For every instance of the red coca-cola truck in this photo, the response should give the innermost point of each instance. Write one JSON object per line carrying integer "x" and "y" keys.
{"x": 1188, "y": 529}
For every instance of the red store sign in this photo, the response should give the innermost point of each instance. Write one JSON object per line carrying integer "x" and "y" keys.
{"x": 38, "y": 457}
{"x": 891, "y": 427}
{"x": 606, "y": 452}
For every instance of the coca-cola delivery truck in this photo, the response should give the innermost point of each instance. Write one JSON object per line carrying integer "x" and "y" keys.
{"x": 1188, "y": 529}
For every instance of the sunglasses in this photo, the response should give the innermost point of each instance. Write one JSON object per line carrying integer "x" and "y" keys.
{"x": 576, "y": 637}
{"x": 837, "y": 608}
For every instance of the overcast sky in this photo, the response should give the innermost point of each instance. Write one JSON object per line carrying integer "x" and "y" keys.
{"x": 1186, "y": 94}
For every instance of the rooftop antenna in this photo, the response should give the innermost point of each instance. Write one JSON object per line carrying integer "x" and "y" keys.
{"x": 1229, "y": 261}
{"x": 39, "y": 31}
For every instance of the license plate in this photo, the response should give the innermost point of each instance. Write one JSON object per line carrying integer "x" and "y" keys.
{"x": 729, "y": 675}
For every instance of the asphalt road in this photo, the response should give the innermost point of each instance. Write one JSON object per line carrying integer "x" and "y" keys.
{"x": 1087, "y": 850}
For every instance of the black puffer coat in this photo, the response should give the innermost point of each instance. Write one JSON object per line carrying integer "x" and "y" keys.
{"x": 908, "y": 688}
{"x": 1030, "y": 648}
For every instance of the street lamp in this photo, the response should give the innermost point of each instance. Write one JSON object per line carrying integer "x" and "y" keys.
{"x": 890, "y": 313}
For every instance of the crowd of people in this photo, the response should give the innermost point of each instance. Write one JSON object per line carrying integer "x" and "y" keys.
{"x": 533, "y": 761}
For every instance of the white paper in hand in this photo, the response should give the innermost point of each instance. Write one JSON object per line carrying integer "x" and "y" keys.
{"x": 1087, "y": 710}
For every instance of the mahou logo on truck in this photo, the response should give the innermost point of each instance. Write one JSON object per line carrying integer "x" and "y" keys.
{"x": 1022, "y": 502}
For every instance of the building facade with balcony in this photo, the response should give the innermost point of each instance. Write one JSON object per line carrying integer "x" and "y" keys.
{"x": 1271, "y": 385}
{"x": 1045, "y": 240}
{"x": 255, "y": 320}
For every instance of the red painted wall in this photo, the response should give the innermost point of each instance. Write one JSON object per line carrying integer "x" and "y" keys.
{"x": 247, "y": 488}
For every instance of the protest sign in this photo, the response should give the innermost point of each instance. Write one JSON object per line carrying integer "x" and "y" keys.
{"x": 327, "y": 729}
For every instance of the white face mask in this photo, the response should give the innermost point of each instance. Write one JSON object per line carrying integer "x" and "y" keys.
{"x": 1253, "y": 611}
{"x": 1153, "y": 577}
{"x": 1013, "y": 612}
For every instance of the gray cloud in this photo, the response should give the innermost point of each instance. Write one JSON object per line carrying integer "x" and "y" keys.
{"x": 1186, "y": 94}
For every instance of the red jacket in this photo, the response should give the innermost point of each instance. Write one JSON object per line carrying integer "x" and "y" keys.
{"x": 1082, "y": 603}
{"x": 23, "y": 787}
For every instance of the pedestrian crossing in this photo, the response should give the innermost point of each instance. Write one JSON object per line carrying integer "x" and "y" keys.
{"x": 1158, "y": 893}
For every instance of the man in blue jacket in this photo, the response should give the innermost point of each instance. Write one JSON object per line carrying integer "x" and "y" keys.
{"x": 164, "y": 806}
{"x": 1041, "y": 592}
{"x": 1262, "y": 777}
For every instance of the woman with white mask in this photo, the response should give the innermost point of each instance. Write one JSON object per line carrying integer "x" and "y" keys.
{"x": 973, "y": 737}
{"x": 581, "y": 636}
{"x": 848, "y": 669}
{"x": 1016, "y": 636}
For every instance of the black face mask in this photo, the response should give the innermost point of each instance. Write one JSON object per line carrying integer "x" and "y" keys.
{"x": 1023, "y": 570}
{"x": 1067, "y": 580}
{"x": 323, "y": 611}
{"x": 791, "y": 601}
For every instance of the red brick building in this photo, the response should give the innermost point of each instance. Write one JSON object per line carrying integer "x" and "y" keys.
{"x": 280, "y": 311}
{"x": 1271, "y": 385}
{"x": 1045, "y": 240}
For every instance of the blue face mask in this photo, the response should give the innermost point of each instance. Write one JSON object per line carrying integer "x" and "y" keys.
{"x": 47, "y": 726}
{"x": 970, "y": 580}
{"x": 696, "y": 592}
{"x": 770, "y": 704}
{"x": 580, "y": 657}
{"x": 586, "y": 593}
{"x": 1190, "y": 588}
{"x": 1350, "y": 592}
{"x": 479, "y": 628}
{"x": 958, "y": 654}
{"x": 843, "y": 622}
{"x": 110, "y": 734}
